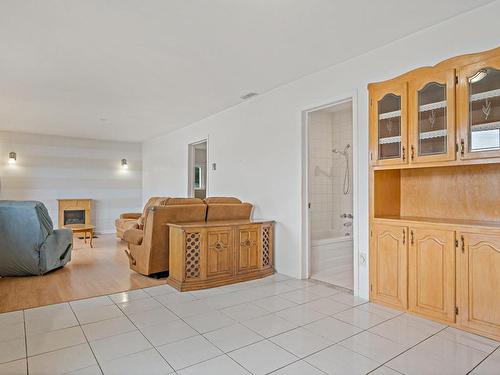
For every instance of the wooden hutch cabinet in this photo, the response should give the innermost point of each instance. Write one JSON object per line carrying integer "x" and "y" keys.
{"x": 210, "y": 254}
{"x": 435, "y": 192}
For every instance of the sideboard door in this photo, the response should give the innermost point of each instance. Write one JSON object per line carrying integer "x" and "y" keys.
{"x": 248, "y": 248}
{"x": 479, "y": 282}
{"x": 219, "y": 252}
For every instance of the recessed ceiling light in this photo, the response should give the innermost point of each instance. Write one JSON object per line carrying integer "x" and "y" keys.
{"x": 249, "y": 95}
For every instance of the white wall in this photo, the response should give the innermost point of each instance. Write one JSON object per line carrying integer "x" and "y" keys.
{"x": 53, "y": 167}
{"x": 258, "y": 145}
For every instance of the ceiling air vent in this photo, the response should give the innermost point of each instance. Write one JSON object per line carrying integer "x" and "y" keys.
{"x": 249, "y": 95}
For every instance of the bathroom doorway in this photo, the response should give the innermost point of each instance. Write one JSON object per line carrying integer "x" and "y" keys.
{"x": 197, "y": 170}
{"x": 330, "y": 194}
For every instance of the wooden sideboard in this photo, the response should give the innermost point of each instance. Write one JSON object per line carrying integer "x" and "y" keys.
{"x": 435, "y": 192}
{"x": 210, "y": 254}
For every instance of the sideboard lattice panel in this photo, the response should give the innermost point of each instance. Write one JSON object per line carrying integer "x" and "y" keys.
{"x": 192, "y": 255}
{"x": 266, "y": 246}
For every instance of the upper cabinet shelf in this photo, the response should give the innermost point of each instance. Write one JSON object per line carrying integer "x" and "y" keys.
{"x": 432, "y": 106}
{"x": 485, "y": 95}
{"x": 388, "y": 115}
{"x": 446, "y": 114}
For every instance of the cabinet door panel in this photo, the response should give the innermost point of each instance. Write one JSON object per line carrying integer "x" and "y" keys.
{"x": 388, "y": 124}
{"x": 248, "y": 248}
{"x": 432, "y": 273}
{"x": 432, "y": 117}
{"x": 388, "y": 259}
{"x": 479, "y": 109}
{"x": 219, "y": 252}
{"x": 479, "y": 282}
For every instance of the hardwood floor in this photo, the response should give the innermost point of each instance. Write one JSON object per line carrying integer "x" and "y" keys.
{"x": 91, "y": 272}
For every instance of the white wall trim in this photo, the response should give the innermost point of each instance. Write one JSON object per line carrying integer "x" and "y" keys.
{"x": 306, "y": 230}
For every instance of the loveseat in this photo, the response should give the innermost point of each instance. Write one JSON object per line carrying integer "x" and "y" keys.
{"x": 30, "y": 245}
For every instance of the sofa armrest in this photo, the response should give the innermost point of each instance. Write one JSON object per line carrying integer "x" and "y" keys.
{"x": 130, "y": 215}
{"x": 133, "y": 236}
{"x": 56, "y": 250}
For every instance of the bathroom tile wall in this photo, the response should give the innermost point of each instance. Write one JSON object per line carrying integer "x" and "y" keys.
{"x": 327, "y": 131}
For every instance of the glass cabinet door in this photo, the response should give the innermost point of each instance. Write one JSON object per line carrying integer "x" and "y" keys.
{"x": 432, "y": 109}
{"x": 388, "y": 120}
{"x": 480, "y": 110}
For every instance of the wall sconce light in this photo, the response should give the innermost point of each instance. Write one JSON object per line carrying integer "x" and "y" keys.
{"x": 12, "y": 157}
{"x": 124, "y": 164}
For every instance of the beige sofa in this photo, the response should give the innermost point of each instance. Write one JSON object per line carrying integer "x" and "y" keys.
{"x": 148, "y": 247}
{"x": 135, "y": 220}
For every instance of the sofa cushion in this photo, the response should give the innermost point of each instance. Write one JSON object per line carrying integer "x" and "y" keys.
{"x": 229, "y": 211}
{"x": 211, "y": 200}
{"x": 133, "y": 236}
{"x": 179, "y": 201}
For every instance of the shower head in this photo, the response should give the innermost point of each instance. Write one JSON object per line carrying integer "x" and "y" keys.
{"x": 344, "y": 153}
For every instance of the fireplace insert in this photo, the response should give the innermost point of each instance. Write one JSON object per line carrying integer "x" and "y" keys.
{"x": 74, "y": 217}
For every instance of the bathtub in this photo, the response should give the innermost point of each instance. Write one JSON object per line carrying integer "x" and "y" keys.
{"x": 331, "y": 258}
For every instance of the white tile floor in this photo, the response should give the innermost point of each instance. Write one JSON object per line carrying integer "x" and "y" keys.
{"x": 274, "y": 325}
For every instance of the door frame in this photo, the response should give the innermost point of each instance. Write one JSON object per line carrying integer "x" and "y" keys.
{"x": 306, "y": 230}
{"x": 191, "y": 159}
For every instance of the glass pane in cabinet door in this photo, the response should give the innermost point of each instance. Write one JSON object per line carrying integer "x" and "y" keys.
{"x": 389, "y": 127}
{"x": 484, "y": 110}
{"x": 432, "y": 129}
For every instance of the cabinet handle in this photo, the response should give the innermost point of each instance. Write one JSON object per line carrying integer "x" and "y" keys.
{"x": 412, "y": 238}
{"x": 246, "y": 243}
{"x": 404, "y": 236}
{"x": 404, "y": 153}
{"x": 218, "y": 246}
{"x": 412, "y": 152}
{"x": 462, "y": 147}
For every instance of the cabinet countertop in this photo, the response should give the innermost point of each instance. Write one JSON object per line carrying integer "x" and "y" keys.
{"x": 221, "y": 223}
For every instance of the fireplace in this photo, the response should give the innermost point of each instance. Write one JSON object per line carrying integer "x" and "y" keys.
{"x": 74, "y": 217}
{"x": 74, "y": 211}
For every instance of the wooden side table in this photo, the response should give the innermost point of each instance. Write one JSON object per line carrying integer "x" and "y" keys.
{"x": 85, "y": 229}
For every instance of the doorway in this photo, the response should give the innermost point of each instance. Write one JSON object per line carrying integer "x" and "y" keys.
{"x": 197, "y": 172}
{"x": 330, "y": 194}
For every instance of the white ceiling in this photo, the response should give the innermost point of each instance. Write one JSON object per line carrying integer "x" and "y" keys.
{"x": 132, "y": 69}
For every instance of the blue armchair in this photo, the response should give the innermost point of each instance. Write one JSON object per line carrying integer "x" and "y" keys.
{"x": 29, "y": 245}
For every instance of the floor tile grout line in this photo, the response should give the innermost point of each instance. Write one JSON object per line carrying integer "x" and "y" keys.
{"x": 485, "y": 358}
{"x": 26, "y": 344}
{"x": 411, "y": 347}
{"x": 86, "y": 339}
{"x": 153, "y": 346}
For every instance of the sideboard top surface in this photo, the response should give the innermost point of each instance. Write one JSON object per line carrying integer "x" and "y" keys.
{"x": 217, "y": 223}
